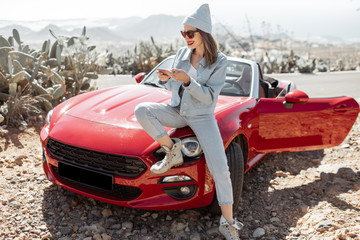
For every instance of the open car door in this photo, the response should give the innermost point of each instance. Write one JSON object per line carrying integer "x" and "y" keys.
{"x": 297, "y": 123}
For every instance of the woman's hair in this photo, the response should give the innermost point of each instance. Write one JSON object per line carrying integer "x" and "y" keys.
{"x": 211, "y": 48}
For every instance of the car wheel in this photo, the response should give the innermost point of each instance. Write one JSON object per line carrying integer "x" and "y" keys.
{"x": 236, "y": 166}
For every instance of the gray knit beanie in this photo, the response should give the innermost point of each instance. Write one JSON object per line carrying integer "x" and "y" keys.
{"x": 201, "y": 18}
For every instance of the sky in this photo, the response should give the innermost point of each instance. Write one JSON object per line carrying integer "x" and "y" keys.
{"x": 300, "y": 18}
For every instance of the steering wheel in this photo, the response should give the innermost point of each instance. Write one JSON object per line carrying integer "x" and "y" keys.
{"x": 236, "y": 85}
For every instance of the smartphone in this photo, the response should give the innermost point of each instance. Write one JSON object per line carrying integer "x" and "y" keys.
{"x": 163, "y": 71}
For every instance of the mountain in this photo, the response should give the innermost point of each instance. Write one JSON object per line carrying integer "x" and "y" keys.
{"x": 112, "y": 29}
{"x": 6, "y": 31}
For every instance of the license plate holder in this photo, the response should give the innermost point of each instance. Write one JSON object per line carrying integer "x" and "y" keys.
{"x": 86, "y": 176}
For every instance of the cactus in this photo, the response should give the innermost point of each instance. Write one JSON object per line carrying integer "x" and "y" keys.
{"x": 49, "y": 75}
{"x": 306, "y": 65}
{"x": 4, "y": 42}
{"x": 26, "y": 60}
{"x": 4, "y": 52}
{"x": 16, "y": 36}
{"x": 145, "y": 56}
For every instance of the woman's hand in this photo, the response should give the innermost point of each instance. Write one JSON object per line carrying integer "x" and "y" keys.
{"x": 180, "y": 75}
{"x": 163, "y": 74}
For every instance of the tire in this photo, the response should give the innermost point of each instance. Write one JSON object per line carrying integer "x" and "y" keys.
{"x": 236, "y": 166}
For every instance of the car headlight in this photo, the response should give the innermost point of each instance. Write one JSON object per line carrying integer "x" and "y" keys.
{"x": 191, "y": 147}
{"x": 48, "y": 118}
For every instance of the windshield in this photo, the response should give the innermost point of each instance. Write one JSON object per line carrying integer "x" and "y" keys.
{"x": 237, "y": 81}
{"x": 152, "y": 77}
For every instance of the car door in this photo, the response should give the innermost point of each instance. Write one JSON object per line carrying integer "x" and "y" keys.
{"x": 304, "y": 124}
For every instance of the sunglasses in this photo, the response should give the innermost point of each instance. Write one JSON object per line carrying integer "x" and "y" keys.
{"x": 190, "y": 34}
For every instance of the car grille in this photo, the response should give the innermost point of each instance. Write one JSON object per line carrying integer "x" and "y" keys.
{"x": 118, "y": 191}
{"x": 98, "y": 161}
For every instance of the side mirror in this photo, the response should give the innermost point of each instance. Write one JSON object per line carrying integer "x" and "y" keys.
{"x": 139, "y": 77}
{"x": 295, "y": 97}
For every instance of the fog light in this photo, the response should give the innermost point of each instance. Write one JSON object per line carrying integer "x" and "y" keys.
{"x": 181, "y": 192}
{"x": 185, "y": 190}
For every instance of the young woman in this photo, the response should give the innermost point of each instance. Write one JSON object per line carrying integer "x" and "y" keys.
{"x": 195, "y": 81}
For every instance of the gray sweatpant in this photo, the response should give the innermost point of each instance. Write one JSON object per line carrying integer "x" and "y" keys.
{"x": 154, "y": 116}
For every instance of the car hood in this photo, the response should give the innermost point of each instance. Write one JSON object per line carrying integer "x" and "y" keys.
{"x": 116, "y": 106}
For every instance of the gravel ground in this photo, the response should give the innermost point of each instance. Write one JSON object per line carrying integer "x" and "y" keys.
{"x": 303, "y": 195}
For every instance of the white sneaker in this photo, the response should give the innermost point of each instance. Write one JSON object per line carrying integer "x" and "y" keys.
{"x": 230, "y": 231}
{"x": 173, "y": 158}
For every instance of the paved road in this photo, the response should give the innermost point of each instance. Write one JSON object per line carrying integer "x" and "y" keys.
{"x": 106, "y": 81}
{"x": 332, "y": 84}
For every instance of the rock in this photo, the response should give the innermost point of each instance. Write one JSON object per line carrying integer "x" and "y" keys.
{"x": 46, "y": 236}
{"x": 168, "y": 218}
{"x": 274, "y": 219}
{"x": 105, "y": 236}
{"x": 43, "y": 228}
{"x": 127, "y": 234}
{"x": 303, "y": 208}
{"x": 297, "y": 195}
{"x": 268, "y": 207}
{"x": 325, "y": 225}
{"x": 127, "y": 225}
{"x": 212, "y": 231}
{"x": 96, "y": 213}
{"x": 259, "y": 232}
{"x": 154, "y": 215}
{"x": 106, "y": 213}
{"x": 97, "y": 237}
{"x": 21, "y": 157}
{"x": 15, "y": 204}
{"x": 268, "y": 227}
{"x": 181, "y": 226}
{"x": 146, "y": 214}
{"x": 116, "y": 226}
{"x": 64, "y": 230}
{"x": 195, "y": 236}
{"x": 110, "y": 221}
{"x": 18, "y": 162}
{"x": 4, "y": 132}
{"x": 73, "y": 203}
{"x": 65, "y": 207}
{"x": 91, "y": 228}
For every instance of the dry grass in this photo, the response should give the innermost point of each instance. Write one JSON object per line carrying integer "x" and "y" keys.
{"x": 20, "y": 108}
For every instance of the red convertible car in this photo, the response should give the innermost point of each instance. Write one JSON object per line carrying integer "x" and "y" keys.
{"x": 93, "y": 145}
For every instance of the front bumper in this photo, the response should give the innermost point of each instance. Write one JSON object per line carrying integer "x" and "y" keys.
{"x": 145, "y": 191}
